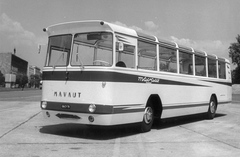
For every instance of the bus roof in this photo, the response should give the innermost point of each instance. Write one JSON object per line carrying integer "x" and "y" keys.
{"x": 87, "y": 26}
{"x": 99, "y": 25}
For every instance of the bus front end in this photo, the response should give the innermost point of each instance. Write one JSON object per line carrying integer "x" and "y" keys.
{"x": 81, "y": 83}
{"x": 78, "y": 59}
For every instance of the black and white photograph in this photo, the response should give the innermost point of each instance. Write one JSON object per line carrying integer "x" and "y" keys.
{"x": 129, "y": 78}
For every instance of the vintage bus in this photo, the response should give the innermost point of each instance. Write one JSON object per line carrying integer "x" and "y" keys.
{"x": 99, "y": 73}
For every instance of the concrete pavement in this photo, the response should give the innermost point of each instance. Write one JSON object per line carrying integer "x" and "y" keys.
{"x": 24, "y": 133}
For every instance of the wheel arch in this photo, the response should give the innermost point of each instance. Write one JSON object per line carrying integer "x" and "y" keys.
{"x": 155, "y": 101}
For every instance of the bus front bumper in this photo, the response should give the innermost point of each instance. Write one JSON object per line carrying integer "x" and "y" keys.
{"x": 92, "y": 119}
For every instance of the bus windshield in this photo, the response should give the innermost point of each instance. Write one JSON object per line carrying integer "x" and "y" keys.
{"x": 92, "y": 49}
{"x": 59, "y": 50}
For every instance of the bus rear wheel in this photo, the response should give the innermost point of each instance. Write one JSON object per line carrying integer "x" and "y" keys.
{"x": 147, "y": 119}
{"x": 212, "y": 108}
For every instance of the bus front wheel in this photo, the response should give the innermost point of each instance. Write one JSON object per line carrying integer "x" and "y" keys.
{"x": 147, "y": 119}
{"x": 212, "y": 108}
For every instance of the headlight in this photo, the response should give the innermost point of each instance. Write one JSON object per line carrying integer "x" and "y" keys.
{"x": 92, "y": 108}
{"x": 44, "y": 105}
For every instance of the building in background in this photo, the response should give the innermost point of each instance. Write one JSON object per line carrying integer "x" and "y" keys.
{"x": 11, "y": 66}
{"x": 34, "y": 70}
{"x": 35, "y": 76}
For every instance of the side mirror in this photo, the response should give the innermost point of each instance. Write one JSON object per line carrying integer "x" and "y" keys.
{"x": 120, "y": 46}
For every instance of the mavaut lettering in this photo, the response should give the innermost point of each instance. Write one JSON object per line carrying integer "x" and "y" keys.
{"x": 67, "y": 94}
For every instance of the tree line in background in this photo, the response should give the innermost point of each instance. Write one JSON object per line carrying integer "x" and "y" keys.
{"x": 234, "y": 54}
{"x": 23, "y": 80}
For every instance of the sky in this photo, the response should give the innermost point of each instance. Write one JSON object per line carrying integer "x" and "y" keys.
{"x": 208, "y": 25}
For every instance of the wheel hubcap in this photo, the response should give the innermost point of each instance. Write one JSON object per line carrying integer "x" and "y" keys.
{"x": 148, "y": 115}
{"x": 212, "y": 107}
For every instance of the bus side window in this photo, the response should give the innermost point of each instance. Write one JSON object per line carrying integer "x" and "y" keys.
{"x": 185, "y": 63}
{"x": 168, "y": 59}
{"x": 126, "y": 58}
{"x": 200, "y": 65}
{"x": 222, "y": 70}
{"x": 212, "y": 68}
{"x": 147, "y": 55}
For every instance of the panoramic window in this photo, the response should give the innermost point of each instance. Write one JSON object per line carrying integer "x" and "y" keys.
{"x": 147, "y": 56}
{"x": 59, "y": 50}
{"x": 125, "y": 58}
{"x": 168, "y": 59}
{"x": 222, "y": 70}
{"x": 185, "y": 63}
{"x": 200, "y": 65}
{"x": 212, "y": 70}
{"x": 92, "y": 49}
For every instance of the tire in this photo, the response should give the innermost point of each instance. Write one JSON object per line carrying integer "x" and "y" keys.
{"x": 147, "y": 119}
{"x": 212, "y": 108}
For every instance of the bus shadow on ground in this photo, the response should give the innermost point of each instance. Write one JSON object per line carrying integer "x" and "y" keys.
{"x": 91, "y": 132}
{"x": 106, "y": 133}
{"x": 181, "y": 120}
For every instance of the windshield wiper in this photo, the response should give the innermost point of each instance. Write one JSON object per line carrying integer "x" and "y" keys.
{"x": 80, "y": 61}
{"x": 81, "y": 64}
